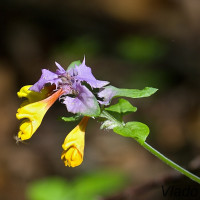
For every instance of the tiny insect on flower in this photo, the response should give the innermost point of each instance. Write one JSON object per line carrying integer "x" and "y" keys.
{"x": 18, "y": 140}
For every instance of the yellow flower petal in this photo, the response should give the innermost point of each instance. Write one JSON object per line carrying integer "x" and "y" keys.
{"x": 33, "y": 96}
{"x": 72, "y": 157}
{"x": 74, "y": 145}
{"x": 33, "y": 112}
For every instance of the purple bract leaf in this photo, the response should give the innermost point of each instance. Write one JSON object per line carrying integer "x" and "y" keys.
{"x": 46, "y": 77}
{"x": 84, "y": 73}
{"x": 84, "y": 103}
{"x": 107, "y": 94}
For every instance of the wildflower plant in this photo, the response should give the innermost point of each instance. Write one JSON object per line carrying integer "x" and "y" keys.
{"x": 85, "y": 97}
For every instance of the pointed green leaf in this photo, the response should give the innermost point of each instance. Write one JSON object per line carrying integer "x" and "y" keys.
{"x": 134, "y": 93}
{"x": 123, "y": 107}
{"x": 72, "y": 65}
{"x": 136, "y": 130}
{"x": 110, "y": 92}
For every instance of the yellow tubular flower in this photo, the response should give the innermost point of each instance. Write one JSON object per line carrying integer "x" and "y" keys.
{"x": 74, "y": 145}
{"x": 33, "y": 109}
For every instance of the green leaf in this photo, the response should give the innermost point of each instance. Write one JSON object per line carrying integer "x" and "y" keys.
{"x": 134, "y": 93}
{"x": 71, "y": 119}
{"x": 123, "y": 107}
{"x": 136, "y": 130}
{"x": 111, "y": 92}
{"x": 72, "y": 65}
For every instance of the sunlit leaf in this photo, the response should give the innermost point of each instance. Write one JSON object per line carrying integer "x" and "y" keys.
{"x": 136, "y": 130}
{"x": 110, "y": 92}
{"x": 134, "y": 93}
{"x": 123, "y": 107}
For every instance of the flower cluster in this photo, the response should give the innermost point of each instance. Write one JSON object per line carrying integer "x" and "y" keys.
{"x": 84, "y": 96}
{"x": 73, "y": 88}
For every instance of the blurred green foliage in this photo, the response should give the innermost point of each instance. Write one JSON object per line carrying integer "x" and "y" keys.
{"x": 78, "y": 47}
{"x": 141, "y": 49}
{"x": 86, "y": 187}
{"x": 151, "y": 77}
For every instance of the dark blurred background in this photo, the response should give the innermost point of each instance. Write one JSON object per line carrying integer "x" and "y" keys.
{"x": 132, "y": 44}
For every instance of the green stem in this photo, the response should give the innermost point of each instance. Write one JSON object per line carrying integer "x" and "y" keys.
{"x": 171, "y": 163}
{"x": 155, "y": 152}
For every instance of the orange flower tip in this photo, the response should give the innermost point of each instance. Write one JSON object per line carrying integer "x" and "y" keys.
{"x": 83, "y": 123}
